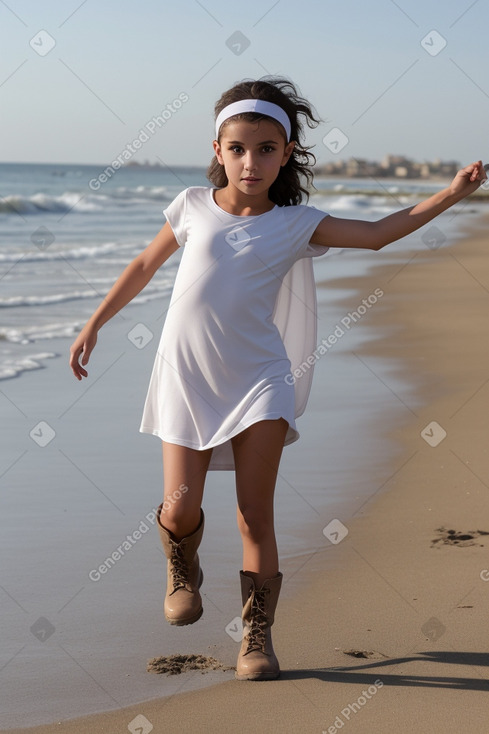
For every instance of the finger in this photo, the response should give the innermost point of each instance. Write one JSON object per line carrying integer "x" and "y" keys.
{"x": 76, "y": 368}
{"x": 74, "y": 358}
{"x": 79, "y": 373}
{"x": 87, "y": 351}
{"x": 82, "y": 354}
{"x": 475, "y": 171}
{"x": 481, "y": 172}
{"x": 467, "y": 171}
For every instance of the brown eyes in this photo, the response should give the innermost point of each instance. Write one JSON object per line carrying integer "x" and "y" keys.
{"x": 238, "y": 149}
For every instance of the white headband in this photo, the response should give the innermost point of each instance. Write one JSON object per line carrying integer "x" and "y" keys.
{"x": 255, "y": 105}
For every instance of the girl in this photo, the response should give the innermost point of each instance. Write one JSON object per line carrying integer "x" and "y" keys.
{"x": 241, "y": 318}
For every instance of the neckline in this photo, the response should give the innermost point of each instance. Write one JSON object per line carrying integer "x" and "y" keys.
{"x": 238, "y": 216}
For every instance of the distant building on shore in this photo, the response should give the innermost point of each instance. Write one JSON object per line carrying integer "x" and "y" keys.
{"x": 391, "y": 166}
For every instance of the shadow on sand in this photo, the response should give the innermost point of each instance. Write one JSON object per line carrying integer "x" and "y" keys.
{"x": 351, "y": 674}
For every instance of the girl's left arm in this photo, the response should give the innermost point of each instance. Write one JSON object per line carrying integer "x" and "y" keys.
{"x": 335, "y": 232}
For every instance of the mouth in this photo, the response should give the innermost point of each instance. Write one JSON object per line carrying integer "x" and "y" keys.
{"x": 251, "y": 179}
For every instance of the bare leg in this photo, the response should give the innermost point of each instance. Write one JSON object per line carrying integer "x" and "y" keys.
{"x": 184, "y": 472}
{"x": 257, "y": 451}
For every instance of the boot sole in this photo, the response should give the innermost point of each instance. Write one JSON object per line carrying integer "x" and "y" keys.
{"x": 257, "y": 676}
{"x": 183, "y": 622}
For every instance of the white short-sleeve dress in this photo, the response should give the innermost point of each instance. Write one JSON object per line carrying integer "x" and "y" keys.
{"x": 242, "y": 317}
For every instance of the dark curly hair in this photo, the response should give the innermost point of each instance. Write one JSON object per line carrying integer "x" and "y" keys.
{"x": 288, "y": 188}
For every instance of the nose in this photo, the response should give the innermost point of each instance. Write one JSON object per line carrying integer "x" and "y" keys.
{"x": 249, "y": 162}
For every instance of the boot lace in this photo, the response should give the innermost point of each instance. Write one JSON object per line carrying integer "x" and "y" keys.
{"x": 258, "y": 622}
{"x": 179, "y": 569}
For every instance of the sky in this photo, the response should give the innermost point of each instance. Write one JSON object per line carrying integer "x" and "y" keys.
{"x": 80, "y": 80}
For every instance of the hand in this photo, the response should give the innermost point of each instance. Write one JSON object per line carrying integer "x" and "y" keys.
{"x": 468, "y": 180}
{"x": 85, "y": 342}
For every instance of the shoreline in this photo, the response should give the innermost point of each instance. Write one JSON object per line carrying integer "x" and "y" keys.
{"x": 386, "y": 591}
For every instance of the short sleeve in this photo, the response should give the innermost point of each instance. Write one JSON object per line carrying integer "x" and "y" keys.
{"x": 302, "y": 224}
{"x": 176, "y": 215}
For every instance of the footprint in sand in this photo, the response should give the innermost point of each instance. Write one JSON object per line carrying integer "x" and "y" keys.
{"x": 176, "y": 664}
{"x": 455, "y": 537}
{"x": 369, "y": 654}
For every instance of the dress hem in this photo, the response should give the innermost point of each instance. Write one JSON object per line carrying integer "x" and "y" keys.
{"x": 191, "y": 445}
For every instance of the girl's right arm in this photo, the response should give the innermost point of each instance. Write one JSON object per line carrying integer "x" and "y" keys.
{"x": 131, "y": 281}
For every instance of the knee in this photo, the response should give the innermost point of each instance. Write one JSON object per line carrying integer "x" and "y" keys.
{"x": 255, "y": 523}
{"x": 179, "y": 515}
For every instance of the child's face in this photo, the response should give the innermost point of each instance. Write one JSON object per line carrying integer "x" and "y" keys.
{"x": 252, "y": 154}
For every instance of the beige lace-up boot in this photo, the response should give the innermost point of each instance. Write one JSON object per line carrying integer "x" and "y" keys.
{"x": 256, "y": 659}
{"x": 183, "y": 603}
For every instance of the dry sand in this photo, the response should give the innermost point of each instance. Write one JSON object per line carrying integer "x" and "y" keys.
{"x": 382, "y": 631}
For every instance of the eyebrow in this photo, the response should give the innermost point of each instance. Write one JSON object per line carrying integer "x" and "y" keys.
{"x": 264, "y": 142}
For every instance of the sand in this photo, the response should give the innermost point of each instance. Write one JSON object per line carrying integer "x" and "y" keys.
{"x": 384, "y": 626}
